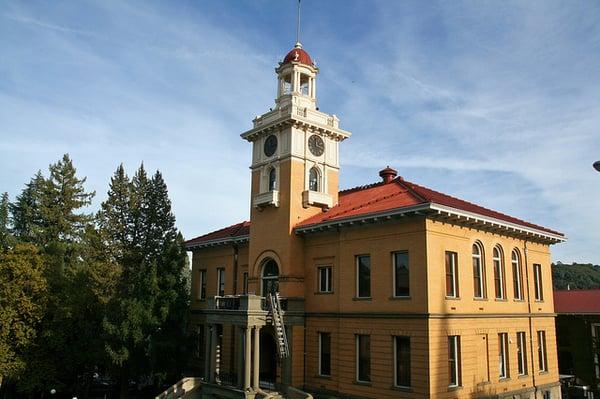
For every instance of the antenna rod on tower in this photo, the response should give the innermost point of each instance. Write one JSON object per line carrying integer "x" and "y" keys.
{"x": 298, "y": 25}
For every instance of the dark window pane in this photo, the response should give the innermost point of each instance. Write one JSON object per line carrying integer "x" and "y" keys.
{"x": 364, "y": 357}
{"x": 325, "y": 362}
{"x": 401, "y": 274}
{"x": 403, "y": 361}
{"x": 364, "y": 276}
{"x": 451, "y": 277}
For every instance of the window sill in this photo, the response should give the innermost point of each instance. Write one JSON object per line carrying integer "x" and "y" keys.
{"x": 363, "y": 383}
{"x": 324, "y": 377}
{"x": 504, "y": 379}
{"x": 453, "y": 298}
{"x": 482, "y": 298}
{"x": 401, "y": 388}
{"x": 500, "y": 299}
{"x": 362, "y": 298}
{"x": 401, "y": 298}
{"x": 522, "y": 376}
{"x": 539, "y": 301}
{"x": 454, "y": 388}
{"x": 518, "y": 300}
{"x": 543, "y": 372}
{"x": 324, "y": 293}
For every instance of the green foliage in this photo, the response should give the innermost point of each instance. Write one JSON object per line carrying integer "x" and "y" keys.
{"x": 26, "y": 211}
{"x": 5, "y": 234}
{"x": 575, "y": 276}
{"x": 23, "y": 292}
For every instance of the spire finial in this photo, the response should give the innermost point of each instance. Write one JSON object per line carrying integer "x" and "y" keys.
{"x": 298, "y": 45}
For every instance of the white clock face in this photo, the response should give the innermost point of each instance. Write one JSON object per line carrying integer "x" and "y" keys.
{"x": 316, "y": 145}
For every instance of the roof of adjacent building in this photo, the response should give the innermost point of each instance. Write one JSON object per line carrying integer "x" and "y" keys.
{"x": 376, "y": 199}
{"x": 577, "y": 301}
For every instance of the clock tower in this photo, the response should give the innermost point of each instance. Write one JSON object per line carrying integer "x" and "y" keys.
{"x": 295, "y": 167}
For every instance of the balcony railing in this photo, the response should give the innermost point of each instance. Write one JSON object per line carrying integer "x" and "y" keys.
{"x": 244, "y": 303}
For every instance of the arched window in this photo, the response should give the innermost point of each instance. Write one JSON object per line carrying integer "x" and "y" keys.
{"x": 272, "y": 179}
{"x": 270, "y": 277}
{"x": 304, "y": 84}
{"x": 313, "y": 179}
{"x": 498, "y": 260}
{"x": 516, "y": 271}
{"x": 478, "y": 271}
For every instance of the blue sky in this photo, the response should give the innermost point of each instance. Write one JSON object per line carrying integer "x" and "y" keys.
{"x": 494, "y": 102}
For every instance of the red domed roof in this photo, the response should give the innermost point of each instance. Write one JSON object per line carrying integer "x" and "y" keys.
{"x": 298, "y": 55}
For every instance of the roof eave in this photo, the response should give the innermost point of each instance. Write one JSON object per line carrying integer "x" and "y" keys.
{"x": 217, "y": 242}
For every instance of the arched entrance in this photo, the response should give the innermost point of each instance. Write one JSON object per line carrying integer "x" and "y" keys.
{"x": 268, "y": 358}
{"x": 270, "y": 277}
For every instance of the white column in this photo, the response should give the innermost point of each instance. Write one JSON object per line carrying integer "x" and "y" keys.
{"x": 247, "y": 357}
{"x": 213, "y": 353}
{"x": 256, "y": 357}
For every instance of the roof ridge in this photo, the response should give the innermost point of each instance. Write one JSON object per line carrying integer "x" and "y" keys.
{"x": 240, "y": 224}
{"x": 360, "y": 188}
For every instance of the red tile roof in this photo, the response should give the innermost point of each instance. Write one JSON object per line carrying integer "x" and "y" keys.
{"x": 577, "y": 301}
{"x": 398, "y": 194}
{"x": 232, "y": 232}
{"x": 373, "y": 199}
{"x": 298, "y": 55}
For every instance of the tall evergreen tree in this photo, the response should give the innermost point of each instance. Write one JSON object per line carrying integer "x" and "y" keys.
{"x": 5, "y": 235}
{"x": 26, "y": 211}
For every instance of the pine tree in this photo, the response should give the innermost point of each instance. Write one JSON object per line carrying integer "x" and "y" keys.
{"x": 26, "y": 211}
{"x": 5, "y": 235}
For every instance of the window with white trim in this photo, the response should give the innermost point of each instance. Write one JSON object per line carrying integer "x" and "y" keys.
{"x": 498, "y": 261}
{"x": 324, "y": 354}
{"x": 272, "y": 179}
{"x": 521, "y": 353}
{"x": 503, "y": 355}
{"x": 220, "y": 281}
{"x": 325, "y": 279}
{"x": 516, "y": 274}
{"x": 402, "y": 361}
{"x": 363, "y": 276}
{"x": 363, "y": 358}
{"x": 478, "y": 271}
{"x": 451, "y": 274}
{"x": 537, "y": 279}
{"x": 313, "y": 179}
{"x": 542, "y": 360}
{"x": 401, "y": 274}
{"x": 454, "y": 360}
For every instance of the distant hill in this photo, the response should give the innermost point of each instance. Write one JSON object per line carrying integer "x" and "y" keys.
{"x": 576, "y": 275}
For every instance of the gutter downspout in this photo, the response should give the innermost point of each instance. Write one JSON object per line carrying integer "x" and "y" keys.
{"x": 525, "y": 252}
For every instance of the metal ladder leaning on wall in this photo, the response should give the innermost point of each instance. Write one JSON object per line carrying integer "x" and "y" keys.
{"x": 277, "y": 319}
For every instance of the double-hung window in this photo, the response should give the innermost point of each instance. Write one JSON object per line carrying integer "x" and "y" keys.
{"x": 537, "y": 280}
{"x": 401, "y": 275}
{"x": 521, "y": 353}
{"x": 454, "y": 360}
{"x": 451, "y": 274}
{"x": 478, "y": 272}
{"x": 202, "y": 285}
{"x": 498, "y": 260}
{"x": 220, "y": 281}
{"x": 503, "y": 355}
{"x": 542, "y": 360}
{"x": 516, "y": 272}
{"x": 325, "y": 279}
{"x": 402, "y": 361}
{"x": 363, "y": 276}
{"x": 324, "y": 354}
{"x": 363, "y": 358}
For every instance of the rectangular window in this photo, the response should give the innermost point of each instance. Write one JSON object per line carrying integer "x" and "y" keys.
{"x": 325, "y": 354}
{"x": 220, "y": 281}
{"x": 199, "y": 341}
{"x": 363, "y": 358}
{"x": 402, "y": 361}
{"x": 401, "y": 281}
{"x": 451, "y": 274}
{"x": 454, "y": 360}
{"x": 245, "y": 283}
{"x": 542, "y": 361}
{"x": 202, "y": 284}
{"x": 363, "y": 276}
{"x": 325, "y": 279}
{"x": 521, "y": 353}
{"x": 537, "y": 279}
{"x": 503, "y": 355}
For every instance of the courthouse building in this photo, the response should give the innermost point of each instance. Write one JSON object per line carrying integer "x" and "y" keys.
{"x": 387, "y": 290}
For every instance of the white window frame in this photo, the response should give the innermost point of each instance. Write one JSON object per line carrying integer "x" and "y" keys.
{"x": 516, "y": 267}
{"x": 328, "y": 269}
{"x": 357, "y": 261}
{"x": 358, "y": 356}
{"x": 321, "y": 353}
{"x": 454, "y": 269}
{"x": 394, "y": 273}
{"x": 537, "y": 275}
{"x": 220, "y": 280}
{"x": 521, "y": 353}
{"x": 503, "y": 355}
{"x": 499, "y": 261}
{"x": 542, "y": 351}
{"x": 201, "y": 285}
{"x": 396, "y": 384}
{"x": 454, "y": 343}
{"x": 479, "y": 258}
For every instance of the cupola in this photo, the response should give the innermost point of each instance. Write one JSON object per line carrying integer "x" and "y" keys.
{"x": 297, "y": 80}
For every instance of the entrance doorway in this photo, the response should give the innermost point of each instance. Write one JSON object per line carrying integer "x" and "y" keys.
{"x": 268, "y": 358}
